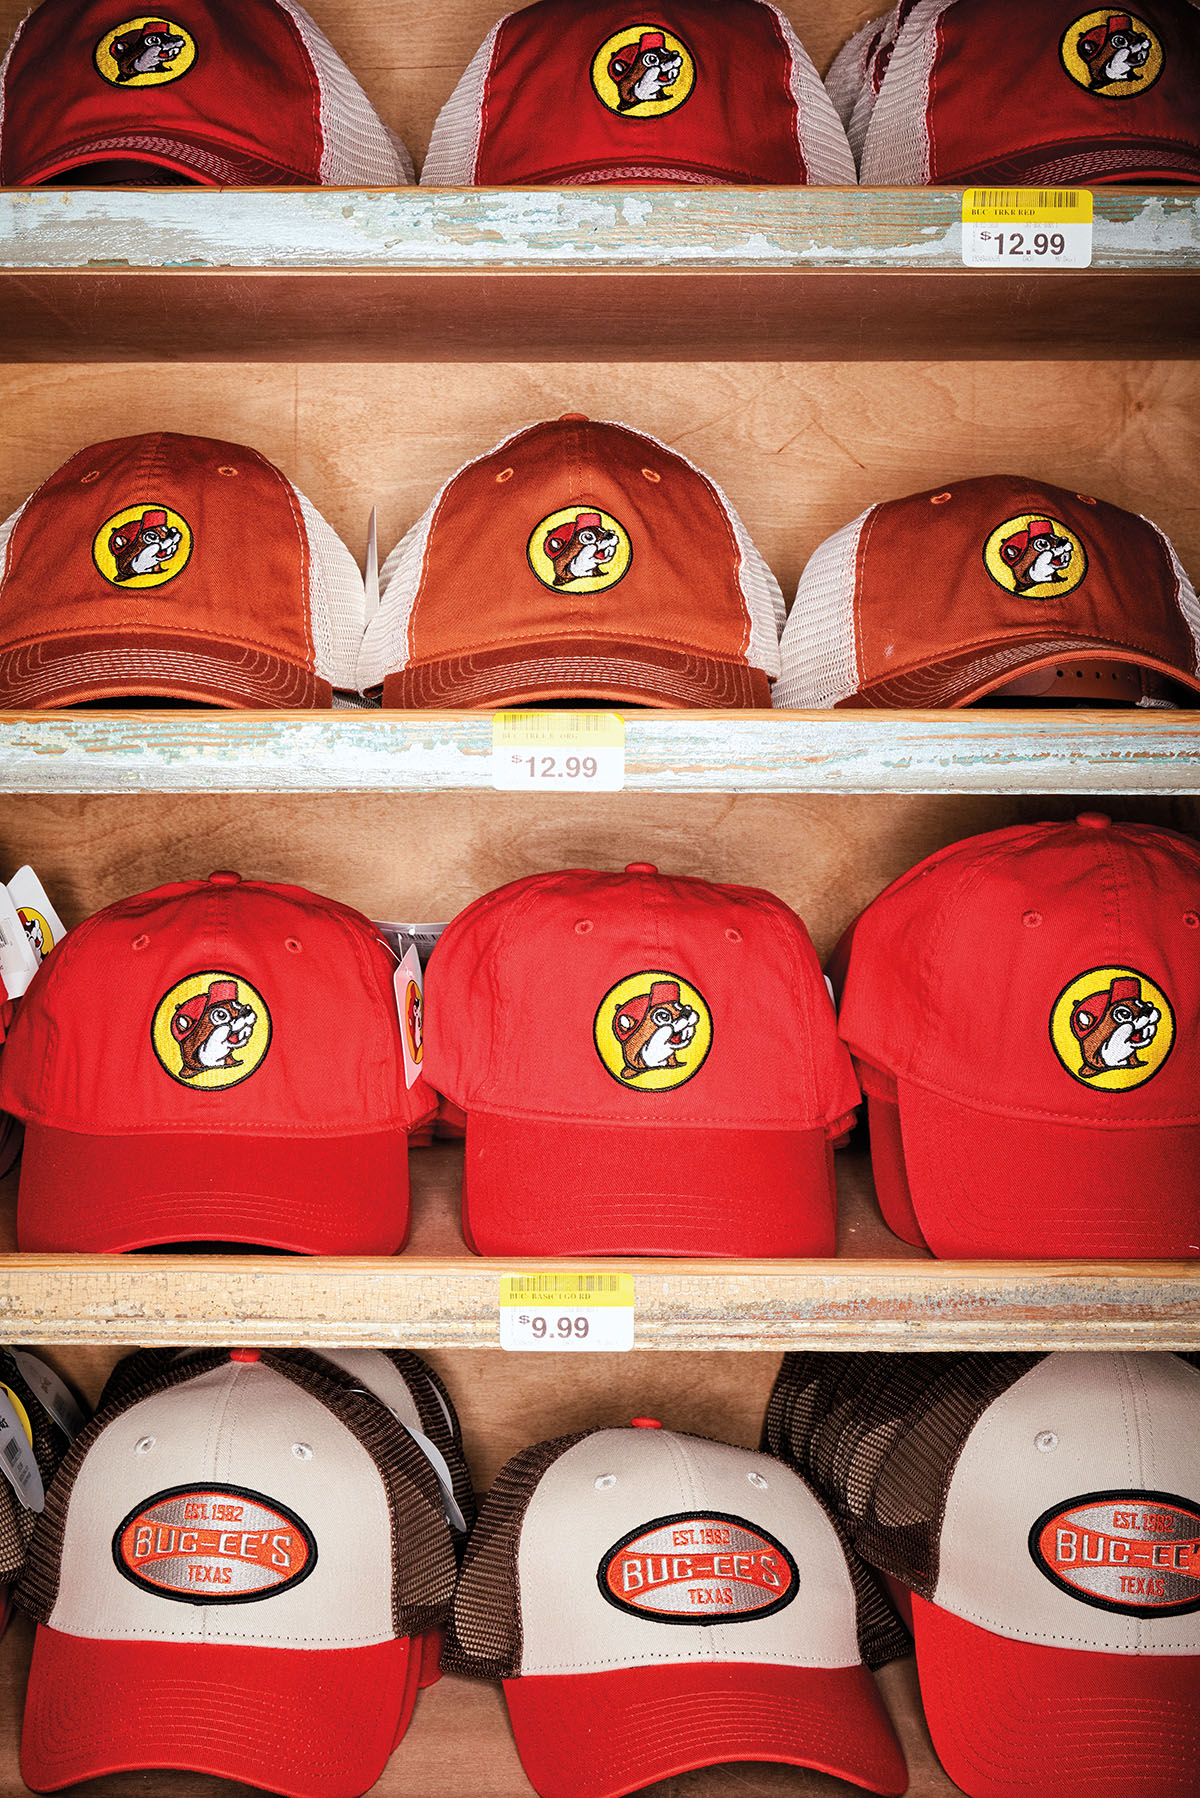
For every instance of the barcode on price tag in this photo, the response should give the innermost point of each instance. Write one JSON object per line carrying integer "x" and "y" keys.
{"x": 558, "y": 752}
{"x": 567, "y": 1311}
{"x": 1027, "y": 227}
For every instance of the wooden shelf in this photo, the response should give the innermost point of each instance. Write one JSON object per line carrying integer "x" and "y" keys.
{"x": 877, "y": 1293}
{"x": 971, "y": 751}
{"x": 573, "y": 274}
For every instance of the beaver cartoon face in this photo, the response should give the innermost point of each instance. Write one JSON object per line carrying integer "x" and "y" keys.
{"x": 1111, "y": 1027}
{"x": 1114, "y": 51}
{"x": 146, "y": 51}
{"x": 36, "y": 935}
{"x": 143, "y": 546}
{"x": 645, "y": 70}
{"x": 652, "y": 1028}
{"x": 581, "y": 551}
{"x": 210, "y": 1027}
{"x": 1037, "y": 556}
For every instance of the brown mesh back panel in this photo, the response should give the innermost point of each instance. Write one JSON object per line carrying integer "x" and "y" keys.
{"x": 423, "y": 1563}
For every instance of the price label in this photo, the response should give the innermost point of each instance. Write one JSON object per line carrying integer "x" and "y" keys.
{"x": 1027, "y": 227}
{"x": 558, "y": 752}
{"x": 567, "y": 1312}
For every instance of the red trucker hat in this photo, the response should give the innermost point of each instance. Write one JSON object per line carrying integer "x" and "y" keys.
{"x": 1023, "y": 1008}
{"x": 245, "y": 95}
{"x": 710, "y": 91}
{"x": 991, "y": 586}
{"x": 1032, "y": 91}
{"x": 251, "y": 1086}
{"x": 593, "y": 1029}
{"x": 1044, "y": 1512}
{"x": 175, "y": 566}
{"x": 576, "y": 561}
{"x": 656, "y": 1602}
{"x": 238, "y": 1572}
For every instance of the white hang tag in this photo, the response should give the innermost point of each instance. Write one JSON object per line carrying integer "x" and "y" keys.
{"x": 437, "y": 1461}
{"x": 19, "y": 962}
{"x": 17, "y": 1461}
{"x": 410, "y": 1003}
{"x": 400, "y": 938}
{"x": 371, "y": 577}
{"x": 50, "y": 1392}
{"x": 43, "y": 926}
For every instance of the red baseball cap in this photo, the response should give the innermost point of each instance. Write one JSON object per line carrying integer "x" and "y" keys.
{"x": 992, "y": 586}
{"x": 176, "y": 566}
{"x": 656, "y": 1602}
{"x": 1044, "y": 1513}
{"x": 1031, "y": 91}
{"x": 1022, "y": 1008}
{"x": 610, "y": 1038}
{"x": 216, "y": 1060}
{"x": 576, "y": 560}
{"x": 252, "y": 95}
{"x": 712, "y": 91}
{"x": 242, "y": 1569}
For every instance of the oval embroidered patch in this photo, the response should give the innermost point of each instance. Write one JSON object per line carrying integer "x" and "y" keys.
{"x": 1136, "y": 1553}
{"x": 213, "y": 1545}
{"x": 698, "y": 1568}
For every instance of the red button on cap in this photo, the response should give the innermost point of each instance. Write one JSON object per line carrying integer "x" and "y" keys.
{"x": 1094, "y": 821}
{"x": 644, "y": 1423}
{"x": 640, "y": 868}
{"x": 244, "y": 1354}
{"x": 224, "y": 878}
{"x": 573, "y": 418}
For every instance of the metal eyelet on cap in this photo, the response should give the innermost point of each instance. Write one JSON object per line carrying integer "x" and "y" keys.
{"x": 732, "y": 935}
{"x": 584, "y": 927}
{"x": 940, "y": 499}
{"x": 756, "y": 1479}
{"x": 302, "y": 1451}
{"x": 651, "y": 476}
{"x": 140, "y": 942}
{"x": 93, "y": 474}
{"x": 605, "y": 1482}
{"x": 1086, "y": 498}
{"x": 144, "y": 1446}
{"x": 1031, "y": 919}
{"x": 506, "y": 474}
{"x": 1192, "y": 920}
{"x": 293, "y": 945}
{"x": 226, "y": 470}
{"x": 1045, "y": 1442}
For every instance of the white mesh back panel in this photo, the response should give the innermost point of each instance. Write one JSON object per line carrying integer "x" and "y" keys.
{"x": 823, "y": 145}
{"x": 454, "y": 146}
{"x": 6, "y": 531}
{"x": 895, "y": 150}
{"x": 357, "y": 149}
{"x": 846, "y": 72}
{"x": 1189, "y": 605}
{"x": 386, "y": 645}
{"x": 337, "y": 603}
{"x": 819, "y": 652}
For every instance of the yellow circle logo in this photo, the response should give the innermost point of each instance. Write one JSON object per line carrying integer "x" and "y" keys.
{"x": 1035, "y": 556}
{"x": 653, "y": 1031}
{"x": 643, "y": 72}
{"x": 38, "y": 931}
{"x": 18, "y": 1407}
{"x": 145, "y": 52}
{"x": 143, "y": 546}
{"x": 1114, "y": 54}
{"x": 580, "y": 549}
{"x": 211, "y": 1031}
{"x": 1112, "y": 1028}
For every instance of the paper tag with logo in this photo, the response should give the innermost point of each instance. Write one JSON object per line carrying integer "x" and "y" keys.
{"x": 400, "y": 938}
{"x": 51, "y": 1393}
{"x": 1027, "y": 227}
{"x": 213, "y": 1544}
{"x": 19, "y": 961}
{"x": 698, "y": 1568}
{"x": 576, "y": 1311}
{"x": 558, "y": 752}
{"x": 1135, "y": 1553}
{"x": 410, "y": 1003}
{"x": 18, "y": 1463}
{"x": 43, "y": 926}
{"x": 437, "y": 1461}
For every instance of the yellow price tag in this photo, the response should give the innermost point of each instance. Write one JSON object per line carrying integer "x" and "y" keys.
{"x": 568, "y": 1310}
{"x": 558, "y": 752}
{"x": 1025, "y": 228}
{"x": 1034, "y": 205}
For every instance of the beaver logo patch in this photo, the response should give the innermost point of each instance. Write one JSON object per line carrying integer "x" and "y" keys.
{"x": 653, "y": 1031}
{"x": 643, "y": 72}
{"x": 581, "y": 549}
{"x": 213, "y": 1545}
{"x": 1114, "y": 54}
{"x": 1112, "y": 1028}
{"x": 144, "y": 52}
{"x": 211, "y": 1031}
{"x": 698, "y": 1569}
{"x": 143, "y": 546}
{"x": 1136, "y": 1553}
{"x": 1035, "y": 557}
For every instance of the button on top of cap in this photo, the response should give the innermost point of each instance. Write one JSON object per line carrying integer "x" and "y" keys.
{"x": 1094, "y": 821}
{"x": 640, "y": 868}
{"x": 573, "y": 418}
{"x": 244, "y": 1354}
{"x": 224, "y": 878}
{"x": 644, "y": 1423}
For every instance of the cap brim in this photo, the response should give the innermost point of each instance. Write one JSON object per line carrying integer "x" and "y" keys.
{"x": 961, "y": 680}
{"x": 1011, "y": 1716}
{"x": 576, "y": 668}
{"x": 60, "y": 671}
{"x": 1086, "y": 162}
{"x": 538, "y": 1187}
{"x": 306, "y": 1724}
{"x": 339, "y": 1195}
{"x": 209, "y": 165}
{"x": 986, "y": 1186}
{"x": 601, "y": 1735}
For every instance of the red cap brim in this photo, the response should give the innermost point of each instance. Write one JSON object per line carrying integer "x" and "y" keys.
{"x": 1019, "y": 1717}
{"x": 538, "y": 1187}
{"x": 600, "y": 1735}
{"x": 338, "y": 1195}
{"x": 306, "y": 1724}
{"x": 986, "y": 1186}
